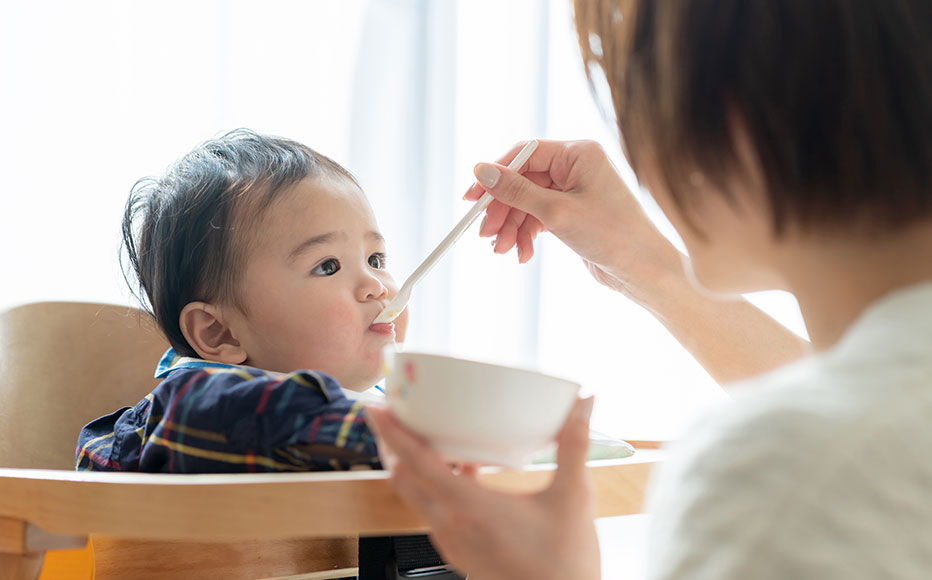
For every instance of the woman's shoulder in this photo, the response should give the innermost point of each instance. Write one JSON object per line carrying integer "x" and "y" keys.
{"x": 794, "y": 417}
{"x": 793, "y": 466}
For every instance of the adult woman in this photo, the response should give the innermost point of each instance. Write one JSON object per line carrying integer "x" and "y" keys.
{"x": 790, "y": 144}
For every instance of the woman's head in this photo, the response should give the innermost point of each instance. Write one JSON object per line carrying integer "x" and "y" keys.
{"x": 826, "y": 104}
{"x": 200, "y": 241}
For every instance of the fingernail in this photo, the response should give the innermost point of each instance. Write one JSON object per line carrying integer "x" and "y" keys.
{"x": 584, "y": 409}
{"x": 487, "y": 174}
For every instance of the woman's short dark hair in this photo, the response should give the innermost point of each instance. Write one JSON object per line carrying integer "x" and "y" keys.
{"x": 178, "y": 229}
{"x": 835, "y": 97}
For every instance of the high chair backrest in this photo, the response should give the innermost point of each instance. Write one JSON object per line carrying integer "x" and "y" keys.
{"x": 63, "y": 364}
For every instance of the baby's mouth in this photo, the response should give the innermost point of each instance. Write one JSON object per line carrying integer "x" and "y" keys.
{"x": 383, "y": 328}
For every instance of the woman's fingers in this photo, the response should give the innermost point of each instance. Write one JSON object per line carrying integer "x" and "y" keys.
{"x": 495, "y": 216}
{"x": 420, "y": 475}
{"x": 513, "y": 189}
{"x": 374, "y": 419}
{"x": 569, "y": 497}
{"x": 512, "y": 226}
{"x": 412, "y": 486}
{"x": 508, "y": 235}
{"x": 403, "y": 444}
{"x": 527, "y": 226}
{"x": 572, "y": 451}
{"x": 469, "y": 470}
{"x": 492, "y": 534}
{"x": 527, "y": 233}
{"x": 475, "y": 191}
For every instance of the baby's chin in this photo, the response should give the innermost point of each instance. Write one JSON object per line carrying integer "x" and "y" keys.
{"x": 355, "y": 383}
{"x": 359, "y": 389}
{"x": 362, "y": 385}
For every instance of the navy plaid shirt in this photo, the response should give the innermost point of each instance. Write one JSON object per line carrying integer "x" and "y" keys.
{"x": 208, "y": 417}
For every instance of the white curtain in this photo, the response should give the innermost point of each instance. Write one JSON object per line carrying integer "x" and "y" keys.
{"x": 408, "y": 94}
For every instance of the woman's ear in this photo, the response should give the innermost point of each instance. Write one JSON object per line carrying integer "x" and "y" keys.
{"x": 204, "y": 328}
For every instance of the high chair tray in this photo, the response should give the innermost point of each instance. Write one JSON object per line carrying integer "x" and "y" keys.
{"x": 244, "y": 506}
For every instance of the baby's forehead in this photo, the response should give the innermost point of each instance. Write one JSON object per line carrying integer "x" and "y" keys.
{"x": 312, "y": 206}
{"x": 324, "y": 199}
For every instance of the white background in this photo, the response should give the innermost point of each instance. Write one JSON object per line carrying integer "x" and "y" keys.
{"x": 409, "y": 95}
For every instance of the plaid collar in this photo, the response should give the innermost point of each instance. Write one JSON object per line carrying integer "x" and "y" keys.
{"x": 170, "y": 361}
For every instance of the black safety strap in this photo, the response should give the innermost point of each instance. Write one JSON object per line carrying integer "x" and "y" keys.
{"x": 400, "y": 558}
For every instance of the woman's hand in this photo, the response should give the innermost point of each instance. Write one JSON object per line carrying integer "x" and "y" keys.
{"x": 571, "y": 189}
{"x": 493, "y": 535}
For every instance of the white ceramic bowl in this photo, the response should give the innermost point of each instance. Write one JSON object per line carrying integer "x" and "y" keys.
{"x": 474, "y": 411}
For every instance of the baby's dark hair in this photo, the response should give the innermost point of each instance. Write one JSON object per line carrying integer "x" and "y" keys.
{"x": 178, "y": 229}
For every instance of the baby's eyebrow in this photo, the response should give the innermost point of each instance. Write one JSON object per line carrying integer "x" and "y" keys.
{"x": 310, "y": 243}
{"x": 325, "y": 239}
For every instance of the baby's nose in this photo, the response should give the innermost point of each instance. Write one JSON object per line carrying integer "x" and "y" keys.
{"x": 374, "y": 289}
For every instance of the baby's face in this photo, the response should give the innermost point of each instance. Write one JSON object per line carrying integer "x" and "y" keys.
{"x": 314, "y": 282}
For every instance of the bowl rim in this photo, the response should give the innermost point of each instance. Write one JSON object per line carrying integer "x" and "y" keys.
{"x": 489, "y": 364}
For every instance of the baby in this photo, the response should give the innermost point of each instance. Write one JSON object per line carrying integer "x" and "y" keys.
{"x": 262, "y": 263}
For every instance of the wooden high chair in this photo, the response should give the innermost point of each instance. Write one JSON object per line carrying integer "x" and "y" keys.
{"x": 64, "y": 364}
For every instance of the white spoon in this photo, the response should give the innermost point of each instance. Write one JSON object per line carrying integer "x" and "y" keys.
{"x": 400, "y": 301}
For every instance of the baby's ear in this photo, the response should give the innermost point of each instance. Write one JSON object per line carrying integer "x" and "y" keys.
{"x": 203, "y": 326}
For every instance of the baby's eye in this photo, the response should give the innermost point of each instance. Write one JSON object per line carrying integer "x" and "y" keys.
{"x": 328, "y": 267}
{"x": 378, "y": 260}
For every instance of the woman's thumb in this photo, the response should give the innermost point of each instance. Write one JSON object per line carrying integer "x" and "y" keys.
{"x": 511, "y": 188}
{"x": 573, "y": 447}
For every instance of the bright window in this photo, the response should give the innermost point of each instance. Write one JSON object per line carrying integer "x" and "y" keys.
{"x": 409, "y": 95}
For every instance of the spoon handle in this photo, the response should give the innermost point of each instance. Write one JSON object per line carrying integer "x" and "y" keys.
{"x": 457, "y": 231}
{"x": 400, "y": 301}
{"x": 449, "y": 240}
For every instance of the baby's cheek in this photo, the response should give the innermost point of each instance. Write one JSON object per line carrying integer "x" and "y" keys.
{"x": 337, "y": 320}
{"x": 331, "y": 338}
